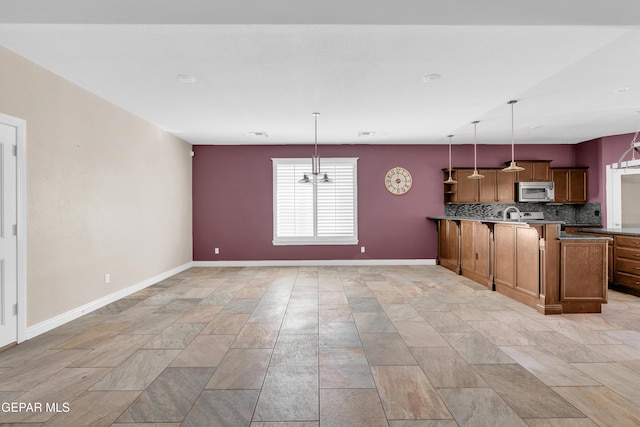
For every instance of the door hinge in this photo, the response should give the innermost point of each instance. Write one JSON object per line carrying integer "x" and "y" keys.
{"x": 15, "y": 229}
{"x": 15, "y": 150}
{"x": 15, "y": 309}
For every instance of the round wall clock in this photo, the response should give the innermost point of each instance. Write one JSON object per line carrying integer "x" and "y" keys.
{"x": 398, "y": 180}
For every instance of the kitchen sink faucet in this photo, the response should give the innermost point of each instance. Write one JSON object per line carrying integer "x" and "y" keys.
{"x": 504, "y": 214}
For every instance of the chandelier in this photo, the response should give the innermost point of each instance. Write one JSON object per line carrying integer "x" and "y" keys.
{"x": 315, "y": 159}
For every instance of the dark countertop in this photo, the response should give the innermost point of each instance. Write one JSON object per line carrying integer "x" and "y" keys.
{"x": 561, "y": 236}
{"x": 565, "y": 236}
{"x": 497, "y": 220}
{"x": 622, "y": 231}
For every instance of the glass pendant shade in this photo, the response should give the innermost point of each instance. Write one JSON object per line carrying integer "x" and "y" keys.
{"x": 305, "y": 179}
{"x": 513, "y": 167}
{"x": 475, "y": 174}
{"x": 450, "y": 180}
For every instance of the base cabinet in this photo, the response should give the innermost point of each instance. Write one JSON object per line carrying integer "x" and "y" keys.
{"x": 533, "y": 264}
{"x": 475, "y": 258}
{"x": 627, "y": 261}
{"x": 517, "y": 262}
{"x": 583, "y": 284}
{"x": 449, "y": 245}
{"x": 610, "y": 257}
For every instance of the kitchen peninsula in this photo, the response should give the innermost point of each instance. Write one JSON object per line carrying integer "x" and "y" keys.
{"x": 624, "y": 255}
{"x": 531, "y": 261}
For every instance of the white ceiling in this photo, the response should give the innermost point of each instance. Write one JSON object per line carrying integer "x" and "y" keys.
{"x": 266, "y": 65}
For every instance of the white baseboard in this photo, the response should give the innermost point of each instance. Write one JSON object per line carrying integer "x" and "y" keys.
{"x": 303, "y": 263}
{"x": 61, "y": 319}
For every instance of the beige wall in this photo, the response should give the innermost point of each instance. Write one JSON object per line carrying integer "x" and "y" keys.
{"x": 107, "y": 192}
{"x": 630, "y": 188}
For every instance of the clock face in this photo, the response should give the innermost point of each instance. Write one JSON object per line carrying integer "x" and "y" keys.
{"x": 398, "y": 181}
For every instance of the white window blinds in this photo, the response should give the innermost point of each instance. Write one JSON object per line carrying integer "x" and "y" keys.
{"x": 315, "y": 212}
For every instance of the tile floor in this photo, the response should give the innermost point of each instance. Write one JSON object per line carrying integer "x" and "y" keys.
{"x": 399, "y": 346}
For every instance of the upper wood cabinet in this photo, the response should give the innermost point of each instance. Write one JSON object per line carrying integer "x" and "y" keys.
{"x": 534, "y": 170}
{"x": 506, "y": 187}
{"x": 495, "y": 187}
{"x": 467, "y": 188}
{"x": 570, "y": 185}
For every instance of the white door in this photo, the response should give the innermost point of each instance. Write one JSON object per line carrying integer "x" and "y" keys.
{"x": 8, "y": 235}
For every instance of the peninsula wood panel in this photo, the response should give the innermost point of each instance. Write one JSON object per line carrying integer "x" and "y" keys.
{"x": 504, "y": 247}
{"x": 475, "y": 252}
{"x": 448, "y": 245}
{"x": 527, "y": 261}
{"x": 583, "y": 285}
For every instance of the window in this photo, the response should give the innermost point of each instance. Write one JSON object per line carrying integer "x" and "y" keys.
{"x": 315, "y": 213}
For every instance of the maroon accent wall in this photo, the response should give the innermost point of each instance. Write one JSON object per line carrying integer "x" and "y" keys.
{"x": 232, "y": 198}
{"x": 589, "y": 154}
{"x": 597, "y": 154}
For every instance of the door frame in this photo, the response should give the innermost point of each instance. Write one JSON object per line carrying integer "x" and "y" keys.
{"x": 21, "y": 190}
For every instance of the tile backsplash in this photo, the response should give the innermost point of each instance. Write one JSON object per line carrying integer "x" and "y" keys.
{"x": 586, "y": 214}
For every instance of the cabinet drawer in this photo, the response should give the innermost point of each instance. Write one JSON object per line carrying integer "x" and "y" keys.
{"x": 628, "y": 280}
{"x": 627, "y": 253}
{"x": 628, "y": 241}
{"x": 628, "y": 266}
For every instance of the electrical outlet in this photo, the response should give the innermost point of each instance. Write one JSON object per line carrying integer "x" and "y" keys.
{"x": 107, "y": 278}
{"x": 216, "y": 251}
{"x": 362, "y": 249}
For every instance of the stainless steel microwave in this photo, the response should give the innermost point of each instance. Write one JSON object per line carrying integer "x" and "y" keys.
{"x": 542, "y": 192}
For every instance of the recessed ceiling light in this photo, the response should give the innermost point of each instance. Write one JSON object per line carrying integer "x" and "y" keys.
{"x": 186, "y": 78}
{"x": 366, "y": 133}
{"x": 431, "y": 78}
{"x": 623, "y": 89}
{"x": 259, "y": 134}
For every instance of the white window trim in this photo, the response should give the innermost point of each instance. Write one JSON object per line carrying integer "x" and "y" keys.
{"x": 303, "y": 241}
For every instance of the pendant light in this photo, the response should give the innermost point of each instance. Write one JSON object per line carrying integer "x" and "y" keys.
{"x": 513, "y": 167}
{"x": 450, "y": 180}
{"x": 315, "y": 159}
{"x": 475, "y": 174}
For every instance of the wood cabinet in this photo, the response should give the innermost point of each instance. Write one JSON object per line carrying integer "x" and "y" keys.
{"x": 449, "y": 245}
{"x": 533, "y": 264}
{"x": 467, "y": 189}
{"x": 610, "y": 259}
{"x": 495, "y": 187}
{"x": 517, "y": 261}
{"x": 570, "y": 185}
{"x": 534, "y": 170}
{"x": 475, "y": 252}
{"x": 627, "y": 261}
{"x": 506, "y": 187}
{"x": 583, "y": 284}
